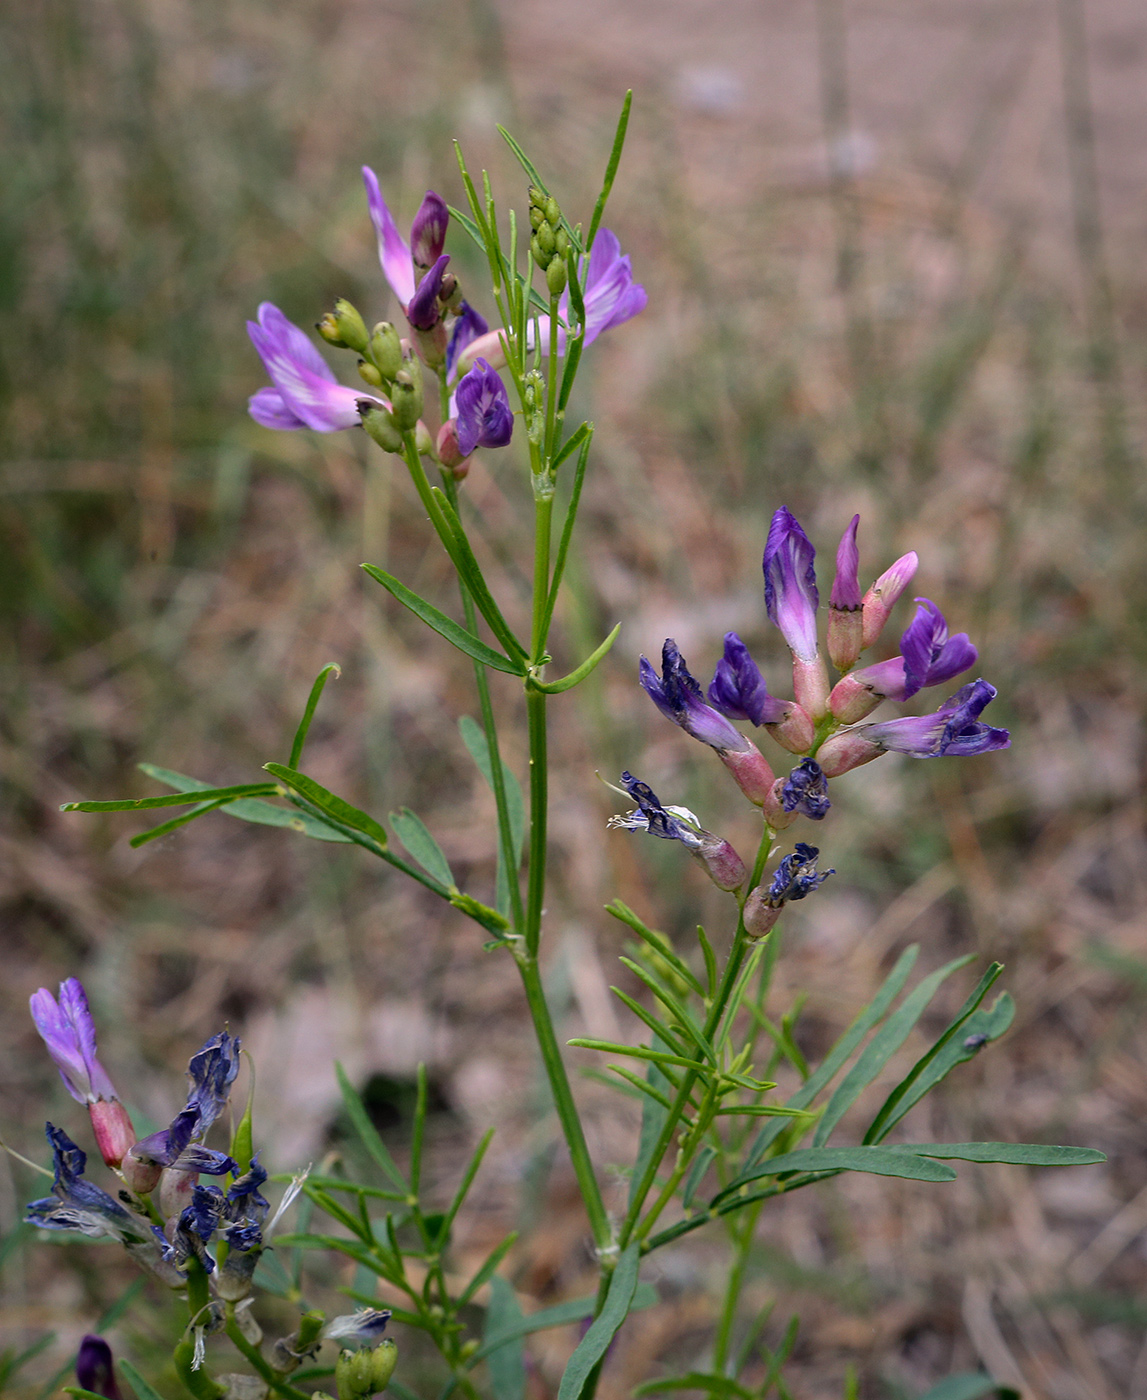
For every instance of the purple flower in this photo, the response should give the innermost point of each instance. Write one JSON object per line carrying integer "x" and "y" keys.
{"x": 468, "y": 326}
{"x": 806, "y": 790}
{"x": 70, "y": 1035}
{"x": 846, "y": 585}
{"x": 484, "y": 415}
{"x": 738, "y": 689}
{"x": 363, "y": 1327}
{"x": 722, "y": 863}
{"x": 212, "y": 1071}
{"x": 797, "y": 875}
{"x": 791, "y": 596}
{"x": 77, "y": 1204}
{"x": 393, "y": 250}
{"x": 678, "y": 696}
{"x": 954, "y": 729}
{"x": 94, "y": 1369}
{"x": 191, "y": 1232}
{"x": 611, "y": 295}
{"x": 306, "y": 393}
{"x": 930, "y": 655}
{"x": 428, "y": 231}
{"x": 424, "y": 312}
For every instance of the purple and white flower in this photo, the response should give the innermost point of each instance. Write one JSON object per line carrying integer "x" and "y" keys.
{"x": 931, "y": 657}
{"x": 791, "y": 596}
{"x": 738, "y": 689}
{"x": 955, "y": 728}
{"x": 69, "y": 1032}
{"x": 678, "y": 696}
{"x": 305, "y": 393}
{"x": 484, "y": 416}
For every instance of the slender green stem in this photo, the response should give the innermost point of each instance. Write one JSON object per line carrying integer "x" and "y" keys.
{"x": 551, "y": 384}
{"x": 743, "y": 1240}
{"x": 256, "y": 1358}
{"x": 564, "y": 1100}
{"x": 536, "y": 720}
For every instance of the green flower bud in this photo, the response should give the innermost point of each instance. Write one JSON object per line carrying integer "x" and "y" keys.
{"x": 561, "y": 242}
{"x": 537, "y": 198}
{"x": 537, "y": 217}
{"x": 556, "y": 277}
{"x": 328, "y": 328}
{"x": 386, "y": 349}
{"x": 545, "y": 237}
{"x": 540, "y": 256}
{"x": 351, "y": 326}
{"x": 383, "y": 1360}
{"x": 469, "y": 1348}
{"x": 406, "y": 397}
{"x": 369, "y": 374}
{"x": 553, "y": 213}
{"x": 354, "y": 1375}
{"x": 380, "y": 425}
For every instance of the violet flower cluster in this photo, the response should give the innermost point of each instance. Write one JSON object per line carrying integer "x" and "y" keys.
{"x": 159, "y": 1174}
{"x": 822, "y": 723}
{"x": 444, "y": 333}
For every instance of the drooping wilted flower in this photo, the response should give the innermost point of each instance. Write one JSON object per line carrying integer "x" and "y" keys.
{"x": 212, "y": 1071}
{"x": 805, "y": 790}
{"x": 485, "y": 418}
{"x": 364, "y": 1327}
{"x": 722, "y": 863}
{"x": 306, "y": 393}
{"x": 76, "y": 1203}
{"x": 796, "y": 877}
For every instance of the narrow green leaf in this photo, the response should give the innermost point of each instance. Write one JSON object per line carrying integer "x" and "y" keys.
{"x": 766, "y": 1110}
{"x": 571, "y": 444}
{"x": 710, "y": 961}
{"x": 642, "y": 1087}
{"x": 352, "y": 1249}
{"x": 249, "y": 809}
{"x": 894, "y": 1108}
{"x": 83, "y": 1394}
{"x": 172, "y": 799}
{"x": 970, "y": 1385}
{"x": 655, "y": 940}
{"x": 659, "y": 1029}
{"x": 604, "y": 1327}
{"x": 881, "y": 1161}
{"x": 492, "y": 920}
{"x": 535, "y": 178}
{"x": 1028, "y": 1154}
{"x": 467, "y": 1180}
{"x": 579, "y": 673}
{"x": 368, "y": 1133}
{"x": 696, "y": 1380}
{"x": 331, "y": 668}
{"x": 165, "y": 828}
{"x": 493, "y": 1259}
{"x": 674, "y": 1007}
{"x": 336, "y": 807}
{"x": 654, "y": 1112}
{"x": 561, "y": 1315}
{"x": 507, "y": 1362}
{"x": 412, "y": 832}
{"x": 469, "y": 570}
{"x": 138, "y": 1384}
{"x": 445, "y": 626}
{"x": 338, "y": 1183}
{"x": 639, "y": 1052}
{"x": 469, "y": 225}
{"x": 610, "y": 170}
{"x": 567, "y": 529}
{"x": 701, "y": 1165}
{"x": 990, "y": 1023}
{"x": 882, "y": 1046}
{"x": 337, "y": 1211}
{"x": 475, "y": 741}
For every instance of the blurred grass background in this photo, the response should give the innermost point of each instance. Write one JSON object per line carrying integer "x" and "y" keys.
{"x": 894, "y": 262}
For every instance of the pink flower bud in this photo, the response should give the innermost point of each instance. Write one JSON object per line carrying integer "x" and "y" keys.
{"x": 759, "y": 915}
{"x": 774, "y": 810}
{"x": 722, "y": 863}
{"x": 795, "y": 731}
{"x": 844, "y": 752}
{"x": 113, "y": 1131}
{"x": 810, "y": 685}
{"x": 751, "y": 771}
{"x": 845, "y": 636}
{"x": 881, "y": 597}
{"x": 140, "y": 1177}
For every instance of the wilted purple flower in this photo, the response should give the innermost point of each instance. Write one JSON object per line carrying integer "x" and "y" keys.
{"x": 424, "y": 312}
{"x": 191, "y": 1232}
{"x": 678, "y": 696}
{"x": 468, "y": 326}
{"x": 393, "y": 250}
{"x": 797, "y": 875}
{"x": 805, "y": 790}
{"x": 428, "y": 231}
{"x": 78, "y": 1204}
{"x": 722, "y": 863}
{"x": 364, "y": 1327}
{"x": 791, "y": 596}
{"x": 94, "y": 1369}
{"x": 955, "y": 728}
{"x": 738, "y": 689}
{"x": 212, "y": 1071}
{"x": 930, "y": 655}
{"x": 70, "y": 1035}
{"x": 306, "y": 393}
{"x": 485, "y": 418}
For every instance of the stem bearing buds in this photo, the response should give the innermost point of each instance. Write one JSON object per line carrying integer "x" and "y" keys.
{"x": 361, "y": 1374}
{"x": 549, "y": 242}
{"x": 343, "y": 327}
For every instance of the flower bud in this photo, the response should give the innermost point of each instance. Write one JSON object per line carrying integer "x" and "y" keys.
{"x": 349, "y": 324}
{"x": 174, "y": 1193}
{"x": 386, "y": 349}
{"x": 810, "y": 685}
{"x": 545, "y": 239}
{"x": 722, "y": 863}
{"x": 369, "y": 374}
{"x": 354, "y": 1375}
{"x": 328, "y": 328}
{"x": 380, "y": 425}
{"x": 852, "y": 699}
{"x": 881, "y": 597}
{"x": 843, "y": 752}
{"x": 774, "y": 807}
{"x": 451, "y": 294}
{"x": 537, "y": 198}
{"x": 556, "y": 277}
{"x": 795, "y": 731}
{"x": 537, "y": 217}
{"x": 432, "y": 344}
{"x": 561, "y": 242}
{"x": 422, "y": 440}
{"x": 553, "y": 212}
{"x": 449, "y": 453}
{"x": 759, "y": 915}
{"x": 384, "y": 1358}
{"x": 140, "y": 1177}
{"x": 845, "y": 636}
{"x": 750, "y": 770}
{"x": 406, "y": 406}
{"x": 112, "y": 1128}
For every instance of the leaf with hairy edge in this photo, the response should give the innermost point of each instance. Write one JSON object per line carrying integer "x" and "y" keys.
{"x": 412, "y": 832}
{"x": 883, "y": 1046}
{"x": 604, "y": 1327}
{"x": 368, "y": 1133}
{"x": 990, "y": 1024}
{"x": 1026, "y": 1154}
{"x": 881, "y": 1161}
{"x": 336, "y": 807}
{"x": 893, "y": 1108}
{"x": 248, "y": 809}
{"x": 445, "y": 626}
{"x": 507, "y": 1361}
{"x": 840, "y": 1052}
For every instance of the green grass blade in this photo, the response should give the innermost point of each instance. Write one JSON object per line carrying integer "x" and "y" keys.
{"x": 445, "y": 626}
{"x": 659, "y": 1029}
{"x": 593, "y": 1346}
{"x": 506, "y": 1362}
{"x": 411, "y": 830}
{"x": 367, "y": 1132}
{"x": 610, "y": 170}
{"x": 331, "y": 668}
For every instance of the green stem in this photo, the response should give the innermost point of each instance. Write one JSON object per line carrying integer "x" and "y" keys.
{"x": 255, "y": 1357}
{"x": 536, "y": 719}
{"x": 736, "y": 1281}
{"x": 564, "y": 1100}
{"x": 551, "y": 384}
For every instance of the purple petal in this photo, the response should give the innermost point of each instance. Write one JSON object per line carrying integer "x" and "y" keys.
{"x": 806, "y": 790}
{"x": 424, "y": 313}
{"x": 930, "y": 656}
{"x": 428, "y": 232}
{"x": 269, "y": 410}
{"x": 846, "y": 585}
{"x": 304, "y": 381}
{"x": 953, "y": 729}
{"x": 611, "y": 295}
{"x": 678, "y": 696}
{"x": 59, "y": 1035}
{"x": 74, "y": 1004}
{"x": 94, "y": 1370}
{"x": 885, "y": 678}
{"x": 738, "y": 689}
{"x": 791, "y": 597}
{"x": 393, "y": 250}
{"x": 483, "y": 410}
{"x": 468, "y": 326}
